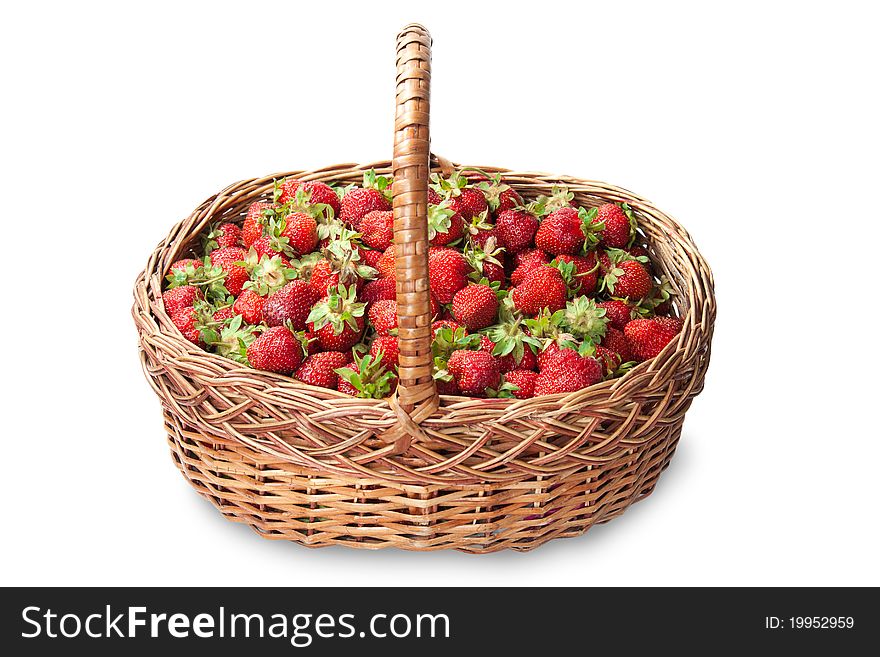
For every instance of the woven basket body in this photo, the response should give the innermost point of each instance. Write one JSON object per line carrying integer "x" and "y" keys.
{"x": 419, "y": 471}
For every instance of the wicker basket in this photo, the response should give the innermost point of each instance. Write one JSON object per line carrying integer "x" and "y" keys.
{"x": 418, "y": 471}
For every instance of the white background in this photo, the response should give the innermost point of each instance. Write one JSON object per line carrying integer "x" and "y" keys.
{"x": 756, "y": 126}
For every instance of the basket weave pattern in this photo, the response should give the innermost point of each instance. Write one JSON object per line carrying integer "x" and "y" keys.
{"x": 420, "y": 471}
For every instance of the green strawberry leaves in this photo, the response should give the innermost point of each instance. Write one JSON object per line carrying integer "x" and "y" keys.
{"x": 339, "y": 309}
{"x": 268, "y": 275}
{"x": 585, "y": 319}
{"x": 372, "y": 381}
{"x": 559, "y": 197}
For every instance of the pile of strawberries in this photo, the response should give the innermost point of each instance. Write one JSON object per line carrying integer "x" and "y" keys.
{"x": 529, "y": 296}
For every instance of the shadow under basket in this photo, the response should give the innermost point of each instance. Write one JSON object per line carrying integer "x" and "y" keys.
{"x": 420, "y": 471}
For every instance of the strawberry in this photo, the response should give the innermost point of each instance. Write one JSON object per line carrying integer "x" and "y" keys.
{"x": 287, "y": 190}
{"x": 379, "y": 290}
{"x": 560, "y": 232}
{"x": 250, "y": 306}
{"x": 181, "y": 265}
{"x": 186, "y": 321}
{"x": 618, "y": 312}
{"x": 468, "y": 203}
{"x": 433, "y": 197}
{"x": 359, "y": 202}
{"x": 475, "y": 307}
{"x": 254, "y": 221}
{"x": 180, "y": 298}
{"x": 525, "y": 262}
{"x": 616, "y": 341}
{"x": 647, "y": 337}
{"x": 627, "y": 278}
{"x": 480, "y": 231}
{"x": 292, "y": 303}
{"x": 524, "y": 380}
{"x": 276, "y": 350}
{"x": 370, "y": 257}
{"x": 474, "y": 372}
{"x": 486, "y": 261}
{"x": 447, "y": 273}
{"x": 265, "y": 246}
{"x": 320, "y": 369}
{"x": 551, "y": 351}
{"x": 568, "y": 372}
{"x": 445, "y": 225}
{"x": 499, "y": 196}
{"x": 447, "y": 387}
{"x": 617, "y": 229}
{"x": 543, "y": 287}
{"x": 377, "y": 228}
{"x": 516, "y": 230}
{"x": 586, "y": 271}
{"x": 366, "y": 377}
{"x": 385, "y": 265}
{"x": 236, "y": 275}
{"x": 337, "y": 319}
{"x": 387, "y": 346}
{"x": 609, "y": 359}
{"x": 317, "y": 192}
{"x": 222, "y": 235}
{"x": 444, "y": 324}
{"x": 509, "y": 360}
{"x": 223, "y": 314}
{"x": 383, "y": 316}
{"x": 301, "y": 231}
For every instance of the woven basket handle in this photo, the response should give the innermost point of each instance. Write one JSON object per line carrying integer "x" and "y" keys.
{"x": 416, "y": 396}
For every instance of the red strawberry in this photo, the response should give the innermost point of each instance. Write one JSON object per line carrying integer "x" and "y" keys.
{"x": 444, "y": 225}
{"x": 182, "y": 264}
{"x": 585, "y": 269}
{"x": 560, "y": 232}
{"x": 628, "y": 279}
{"x": 609, "y": 359}
{"x": 549, "y": 354}
{"x": 387, "y": 344}
{"x": 344, "y": 386}
{"x": 442, "y": 324}
{"x": 568, "y": 372}
{"x": 250, "y": 306}
{"x": 638, "y": 251}
{"x": 508, "y": 199}
{"x": 319, "y": 192}
{"x": 236, "y": 275}
{"x": 474, "y": 371}
{"x": 616, "y": 341}
{"x": 469, "y": 203}
{"x": 647, "y": 337}
{"x": 379, "y": 290}
{"x": 617, "y": 231}
{"x": 524, "y": 380}
{"x": 385, "y": 265}
{"x": 179, "y": 298}
{"x": 292, "y": 303}
{"x": 288, "y": 189}
{"x": 377, "y": 228}
{"x": 323, "y": 278}
{"x": 358, "y": 202}
{"x": 447, "y": 273}
{"x": 320, "y": 369}
{"x": 525, "y": 262}
{"x": 499, "y": 195}
{"x": 618, "y": 312}
{"x": 433, "y": 197}
{"x": 227, "y": 235}
{"x": 186, "y": 321}
{"x": 475, "y": 307}
{"x": 252, "y": 229}
{"x": 479, "y": 236}
{"x": 370, "y": 257}
{"x": 338, "y": 319}
{"x": 383, "y": 316}
{"x": 264, "y": 247}
{"x": 508, "y": 362}
{"x": 227, "y": 312}
{"x": 543, "y": 287}
{"x": 276, "y": 350}
{"x": 516, "y": 229}
{"x": 447, "y": 387}
{"x": 310, "y": 342}
{"x": 301, "y": 232}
